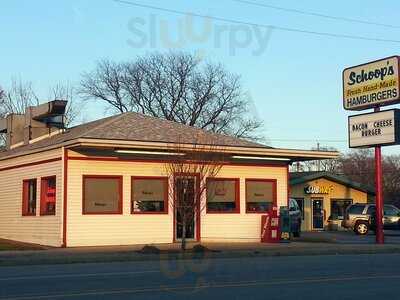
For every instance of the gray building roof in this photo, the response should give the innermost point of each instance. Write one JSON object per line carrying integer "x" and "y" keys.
{"x": 132, "y": 126}
{"x": 303, "y": 177}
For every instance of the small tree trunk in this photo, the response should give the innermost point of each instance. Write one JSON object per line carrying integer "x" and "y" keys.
{"x": 183, "y": 241}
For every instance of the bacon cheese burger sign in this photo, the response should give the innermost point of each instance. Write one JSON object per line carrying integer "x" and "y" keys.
{"x": 373, "y": 84}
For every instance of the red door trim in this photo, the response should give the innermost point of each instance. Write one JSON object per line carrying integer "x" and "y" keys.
{"x": 166, "y": 194}
{"x": 274, "y": 192}
{"x": 120, "y": 199}
{"x": 237, "y": 195}
{"x": 198, "y": 220}
{"x": 288, "y": 185}
{"x": 65, "y": 187}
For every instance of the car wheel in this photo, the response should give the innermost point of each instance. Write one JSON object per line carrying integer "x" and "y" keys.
{"x": 361, "y": 228}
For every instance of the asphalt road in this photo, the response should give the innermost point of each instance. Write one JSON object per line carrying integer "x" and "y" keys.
{"x": 297, "y": 277}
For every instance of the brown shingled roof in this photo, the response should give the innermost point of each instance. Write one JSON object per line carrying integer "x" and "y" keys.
{"x": 134, "y": 127}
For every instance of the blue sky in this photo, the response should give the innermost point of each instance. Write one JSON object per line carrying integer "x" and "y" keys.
{"x": 294, "y": 84}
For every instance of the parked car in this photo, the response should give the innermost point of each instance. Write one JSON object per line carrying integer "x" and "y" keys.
{"x": 295, "y": 217}
{"x": 361, "y": 218}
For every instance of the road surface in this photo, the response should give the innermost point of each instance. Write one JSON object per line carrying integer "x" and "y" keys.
{"x": 297, "y": 277}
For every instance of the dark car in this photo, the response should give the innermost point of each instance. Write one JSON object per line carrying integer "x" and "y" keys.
{"x": 362, "y": 217}
{"x": 295, "y": 217}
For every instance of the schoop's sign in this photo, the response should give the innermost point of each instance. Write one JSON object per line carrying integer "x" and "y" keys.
{"x": 373, "y": 84}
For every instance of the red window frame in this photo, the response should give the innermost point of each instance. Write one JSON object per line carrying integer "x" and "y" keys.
{"x": 166, "y": 195}
{"x": 237, "y": 196}
{"x": 25, "y": 197}
{"x": 120, "y": 180}
{"x": 274, "y": 193}
{"x": 44, "y": 187}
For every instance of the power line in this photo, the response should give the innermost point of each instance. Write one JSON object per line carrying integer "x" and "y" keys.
{"x": 228, "y": 20}
{"x": 308, "y": 140}
{"x": 314, "y": 14}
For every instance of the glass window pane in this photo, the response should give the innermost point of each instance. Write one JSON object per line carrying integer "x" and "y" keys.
{"x": 29, "y": 197}
{"x": 221, "y": 195}
{"x": 259, "y": 195}
{"x": 300, "y": 203}
{"x": 102, "y": 195}
{"x": 371, "y": 210}
{"x": 390, "y": 211}
{"x": 338, "y": 208}
{"x": 356, "y": 209}
{"x": 48, "y": 201}
{"x": 149, "y": 195}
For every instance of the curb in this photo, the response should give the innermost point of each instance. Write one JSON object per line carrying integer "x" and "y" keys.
{"x": 41, "y": 258}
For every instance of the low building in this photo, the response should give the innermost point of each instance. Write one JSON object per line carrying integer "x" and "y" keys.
{"x": 105, "y": 182}
{"x": 323, "y": 198}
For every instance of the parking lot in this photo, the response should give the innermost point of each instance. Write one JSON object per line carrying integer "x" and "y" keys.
{"x": 348, "y": 237}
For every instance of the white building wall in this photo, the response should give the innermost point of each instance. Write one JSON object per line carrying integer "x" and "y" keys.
{"x": 125, "y": 229}
{"x": 45, "y": 230}
{"x": 243, "y": 227}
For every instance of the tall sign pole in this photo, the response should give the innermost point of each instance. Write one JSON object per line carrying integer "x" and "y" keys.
{"x": 380, "y": 239}
{"x": 366, "y": 86}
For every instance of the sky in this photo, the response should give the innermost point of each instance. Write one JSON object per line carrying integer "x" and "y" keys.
{"x": 293, "y": 79}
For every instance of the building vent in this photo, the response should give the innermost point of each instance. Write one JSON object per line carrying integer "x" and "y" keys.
{"x": 38, "y": 121}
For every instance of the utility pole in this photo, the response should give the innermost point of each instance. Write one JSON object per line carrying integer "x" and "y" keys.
{"x": 318, "y": 162}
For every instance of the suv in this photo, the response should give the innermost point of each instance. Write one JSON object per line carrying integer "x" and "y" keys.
{"x": 361, "y": 217}
{"x": 295, "y": 217}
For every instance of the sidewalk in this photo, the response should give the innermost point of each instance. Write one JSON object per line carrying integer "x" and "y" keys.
{"x": 171, "y": 251}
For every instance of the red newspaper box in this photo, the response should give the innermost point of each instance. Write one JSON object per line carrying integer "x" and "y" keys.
{"x": 270, "y": 230}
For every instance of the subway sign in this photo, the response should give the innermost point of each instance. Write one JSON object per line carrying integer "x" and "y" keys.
{"x": 316, "y": 189}
{"x": 374, "y": 129}
{"x": 373, "y": 84}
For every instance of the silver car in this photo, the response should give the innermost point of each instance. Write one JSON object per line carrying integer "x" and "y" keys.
{"x": 361, "y": 217}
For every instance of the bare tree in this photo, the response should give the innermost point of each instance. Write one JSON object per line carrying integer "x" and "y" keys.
{"x": 2, "y": 114}
{"x": 391, "y": 180}
{"x": 359, "y": 165}
{"x": 21, "y": 95}
{"x": 2, "y": 93}
{"x": 73, "y": 113}
{"x": 14, "y": 100}
{"x": 178, "y": 87}
{"x": 326, "y": 165}
{"x": 188, "y": 172}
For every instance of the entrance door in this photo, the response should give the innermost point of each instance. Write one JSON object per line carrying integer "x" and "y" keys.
{"x": 185, "y": 207}
{"x": 318, "y": 214}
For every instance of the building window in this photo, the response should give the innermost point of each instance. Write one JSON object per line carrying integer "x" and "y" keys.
{"x": 338, "y": 208}
{"x": 102, "y": 195}
{"x": 29, "y": 197}
{"x": 300, "y": 203}
{"x": 149, "y": 195}
{"x": 260, "y": 195}
{"x": 48, "y": 196}
{"x": 223, "y": 195}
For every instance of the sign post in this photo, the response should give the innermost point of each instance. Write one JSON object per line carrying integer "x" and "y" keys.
{"x": 373, "y": 85}
{"x": 380, "y": 239}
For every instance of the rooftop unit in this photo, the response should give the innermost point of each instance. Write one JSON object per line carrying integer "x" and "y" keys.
{"x": 38, "y": 121}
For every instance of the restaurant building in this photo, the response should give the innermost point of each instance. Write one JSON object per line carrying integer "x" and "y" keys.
{"x": 105, "y": 182}
{"x": 323, "y": 198}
